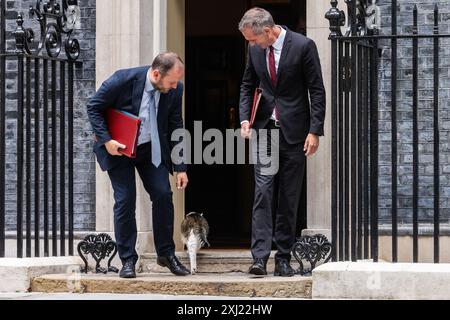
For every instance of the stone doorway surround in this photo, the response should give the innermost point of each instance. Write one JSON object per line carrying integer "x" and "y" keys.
{"x": 143, "y": 28}
{"x": 130, "y": 33}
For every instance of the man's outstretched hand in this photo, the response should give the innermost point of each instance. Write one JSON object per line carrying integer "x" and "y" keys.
{"x": 182, "y": 180}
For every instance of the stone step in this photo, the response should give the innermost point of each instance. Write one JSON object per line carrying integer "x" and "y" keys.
{"x": 211, "y": 261}
{"x": 207, "y": 284}
{"x": 381, "y": 281}
{"x": 16, "y": 274}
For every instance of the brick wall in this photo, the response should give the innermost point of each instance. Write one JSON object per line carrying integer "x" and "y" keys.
{"x": 404, "y": 113}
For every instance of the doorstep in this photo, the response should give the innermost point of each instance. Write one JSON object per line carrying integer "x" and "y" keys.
{"x": 207, "y": 284}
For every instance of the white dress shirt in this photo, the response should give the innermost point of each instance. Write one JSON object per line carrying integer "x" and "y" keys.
{"x": 277, "y": 48}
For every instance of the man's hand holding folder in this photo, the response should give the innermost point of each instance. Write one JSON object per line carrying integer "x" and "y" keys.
{"x": 124, "y": 130}
{"x": 246, "y": 126}
{"x": 113, "y": 147}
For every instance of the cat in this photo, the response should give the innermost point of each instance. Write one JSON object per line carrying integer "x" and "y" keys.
{"x": 194, "y": 233}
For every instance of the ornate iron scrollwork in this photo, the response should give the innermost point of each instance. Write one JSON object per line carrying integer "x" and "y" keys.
{"x": 99, "y": 246}
{"x": 54, "y": 20}
{"x": 361, "y": 19}
{"x": 311, "y": 249}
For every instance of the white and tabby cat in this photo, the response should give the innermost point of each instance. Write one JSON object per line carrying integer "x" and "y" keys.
{"x": 194, "y": 233}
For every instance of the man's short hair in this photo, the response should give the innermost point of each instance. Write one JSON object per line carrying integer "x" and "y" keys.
{"x": 165, "y": 61}
{"x": 256, "y": 19}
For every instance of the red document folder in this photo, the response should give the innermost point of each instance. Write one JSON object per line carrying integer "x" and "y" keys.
{"x": 256, "y": 100}
{"x": 124, "y": 128}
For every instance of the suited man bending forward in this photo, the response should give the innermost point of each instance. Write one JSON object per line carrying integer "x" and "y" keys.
{"x": 154, "y": 93}
{"x": 286, "y": 66}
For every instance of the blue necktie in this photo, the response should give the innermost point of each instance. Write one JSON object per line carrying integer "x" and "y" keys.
{"x": 156, "y": 147}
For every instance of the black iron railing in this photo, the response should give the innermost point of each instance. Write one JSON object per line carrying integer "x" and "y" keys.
{"x": 44, "y": 97}
{"x": 2, "y": 125}
{"x": 355, "y": 129}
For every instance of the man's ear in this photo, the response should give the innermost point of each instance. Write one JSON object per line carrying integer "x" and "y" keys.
{"x": 156, "y": 75}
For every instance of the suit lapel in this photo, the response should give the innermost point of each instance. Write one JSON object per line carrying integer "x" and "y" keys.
{"x": 284, "y": 52}
{"x": 138, "y": 90}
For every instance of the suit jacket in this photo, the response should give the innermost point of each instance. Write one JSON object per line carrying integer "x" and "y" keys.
{"x": 123, "y": 91}
{"x": 299, "y": 72}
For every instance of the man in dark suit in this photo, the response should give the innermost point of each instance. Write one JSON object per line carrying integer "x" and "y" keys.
{"x": 155, "y": 95}
{"x": 286, "y": 66}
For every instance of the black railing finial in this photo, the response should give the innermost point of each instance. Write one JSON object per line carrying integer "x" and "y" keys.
{"x": 22, "y": 35}
{"x": 19, "y": 20}
{"x": 336, "y": 18}
{"x": 436, "y": 19}
{"x": 415, "y": 29}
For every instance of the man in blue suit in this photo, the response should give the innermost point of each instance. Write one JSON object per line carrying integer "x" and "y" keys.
{"x": 154, "y": 93}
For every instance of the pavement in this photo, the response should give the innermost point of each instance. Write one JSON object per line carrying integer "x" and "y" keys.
{"x": 110, "y": 296}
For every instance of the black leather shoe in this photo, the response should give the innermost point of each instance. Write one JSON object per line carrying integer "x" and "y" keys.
{"x": 258, "y": 267}
{"x": 128, "y": 270}
{"x": 283, "y": 268}
{"x": 173, "y": 264}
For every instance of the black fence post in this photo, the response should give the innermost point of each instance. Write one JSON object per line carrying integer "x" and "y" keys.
{"x": 28, "y": 157}
{"x": 436, "y": 135}
{"x": 19, "y": 189}
{"x": 340, "y": 160}
{"x": 374, "y": 149}
{"x": 353, "y": 120}
{"x": 2, "y": 124}
{"x": 45, "y": 158}
{"x": 54, "y": 147}
{"x": 335, "y": 18}
{"x": 37, "y": 161}
{"x": 70, "y": 153}
{"x": 62, "y": 151}
{"x": 360, "y": 99}
{"x": 415, "y": 95}
{"x": 366, "y": 148}
{"x": 394, "y": 130}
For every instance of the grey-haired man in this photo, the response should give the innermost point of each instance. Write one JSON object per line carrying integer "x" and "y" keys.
{"x": 286, "y": 66}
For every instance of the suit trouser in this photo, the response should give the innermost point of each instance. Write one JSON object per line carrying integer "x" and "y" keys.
{"x": 156, "y": 183}
{"x": 291, "y": 167}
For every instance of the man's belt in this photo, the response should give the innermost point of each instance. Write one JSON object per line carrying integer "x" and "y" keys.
{"x": 276, "y": 123}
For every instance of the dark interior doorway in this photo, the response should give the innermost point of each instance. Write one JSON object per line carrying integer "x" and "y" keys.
{"x": 215, "y": 61}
